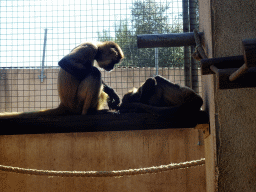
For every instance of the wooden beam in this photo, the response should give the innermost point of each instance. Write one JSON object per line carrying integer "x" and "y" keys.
{"x": 99, "y": 122}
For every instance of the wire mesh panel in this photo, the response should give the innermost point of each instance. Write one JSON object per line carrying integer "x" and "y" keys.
{"x": 36, "y": 34}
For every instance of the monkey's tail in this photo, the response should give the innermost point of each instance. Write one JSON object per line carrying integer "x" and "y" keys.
{"x": 61, "y": 110}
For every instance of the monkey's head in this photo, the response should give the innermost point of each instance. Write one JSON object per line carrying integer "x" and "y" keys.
{"x": 141, "y": 95}
{"x": 132, "y": 96}
{"x": 109, "y": 53}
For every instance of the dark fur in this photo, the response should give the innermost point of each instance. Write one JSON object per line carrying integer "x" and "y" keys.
{"x": 162, "y": 97}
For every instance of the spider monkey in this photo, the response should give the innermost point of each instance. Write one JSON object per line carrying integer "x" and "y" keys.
{"x": 161, "y": 97}
{"x": 80, "y": 86}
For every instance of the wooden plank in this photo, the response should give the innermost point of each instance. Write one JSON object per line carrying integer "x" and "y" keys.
{"x": 99, "y": 122}
{"x": 103, "y": 151}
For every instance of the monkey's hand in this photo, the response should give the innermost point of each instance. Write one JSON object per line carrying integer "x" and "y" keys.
{"x": 113, "y": 103}
{"x": 113, "y": 100}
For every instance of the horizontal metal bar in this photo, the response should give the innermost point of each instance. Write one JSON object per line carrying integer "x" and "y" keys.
{"x": 221, "y": 63}
{"x": 166, "y": 40}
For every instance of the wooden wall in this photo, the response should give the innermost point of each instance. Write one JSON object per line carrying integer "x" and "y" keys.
{"x": 103, "y": 151}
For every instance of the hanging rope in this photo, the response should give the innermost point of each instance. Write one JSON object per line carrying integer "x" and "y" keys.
{"x": 199, "y": 51}
{"x": 119, "y": 173}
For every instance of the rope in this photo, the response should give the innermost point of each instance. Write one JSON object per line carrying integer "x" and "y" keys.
{"x": 119, "y": 173}
{"x": 199, "y": 52}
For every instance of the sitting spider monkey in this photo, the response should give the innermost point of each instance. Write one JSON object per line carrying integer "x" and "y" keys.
{"x": 161, "y": 97}
{"x": 80, "y": 86}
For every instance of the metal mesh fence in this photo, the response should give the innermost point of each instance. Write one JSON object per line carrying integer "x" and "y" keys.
{"x": 36, "y": 34}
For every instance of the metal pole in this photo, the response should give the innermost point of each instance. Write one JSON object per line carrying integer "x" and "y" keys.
{"x": 42, "y": 76}
{"x": 156, "y": 58}
{"x": 193, "y": 25}
{"x": 166, "y": 40}
{"x": 187, "y": 67}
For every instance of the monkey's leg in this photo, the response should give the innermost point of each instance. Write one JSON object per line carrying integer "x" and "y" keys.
{"x": 89, "y": 92}
{"x": 67, "y": 89}
{"x": 113, "y": 100}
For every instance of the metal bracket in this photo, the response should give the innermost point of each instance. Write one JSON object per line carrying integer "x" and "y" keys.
{"x": 42, "y": 76}
{"x": 236, "y": 71}
{"x": 205, "y": 128}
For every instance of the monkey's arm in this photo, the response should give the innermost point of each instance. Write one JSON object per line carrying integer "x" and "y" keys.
{"x": 79, "y": 61}
{"x": 113, "y": 100}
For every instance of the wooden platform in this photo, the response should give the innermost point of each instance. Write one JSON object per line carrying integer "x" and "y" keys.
{"x": 100, "y": 122}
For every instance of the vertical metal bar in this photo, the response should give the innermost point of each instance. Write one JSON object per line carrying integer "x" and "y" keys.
{"x": 187, "y": 67}
{"x": 156, "y": 57}
{"x": 193, "y": 25}
{"x": 42, "y": 76}
{"x": 156, "y": 60}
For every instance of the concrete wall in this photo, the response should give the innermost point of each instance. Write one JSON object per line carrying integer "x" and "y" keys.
{"x": 231, "y": 148}
{"x": 233, "y": 21}
{"x": 22, "y": 90}
{"x": 237, "y": 140}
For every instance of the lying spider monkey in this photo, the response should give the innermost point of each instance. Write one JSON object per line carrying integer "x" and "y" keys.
{"x": 80, "y": 87}
{"x": 161, "y": 97}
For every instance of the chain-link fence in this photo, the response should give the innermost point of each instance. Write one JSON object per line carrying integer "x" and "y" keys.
{"x": 36, "y": 34}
